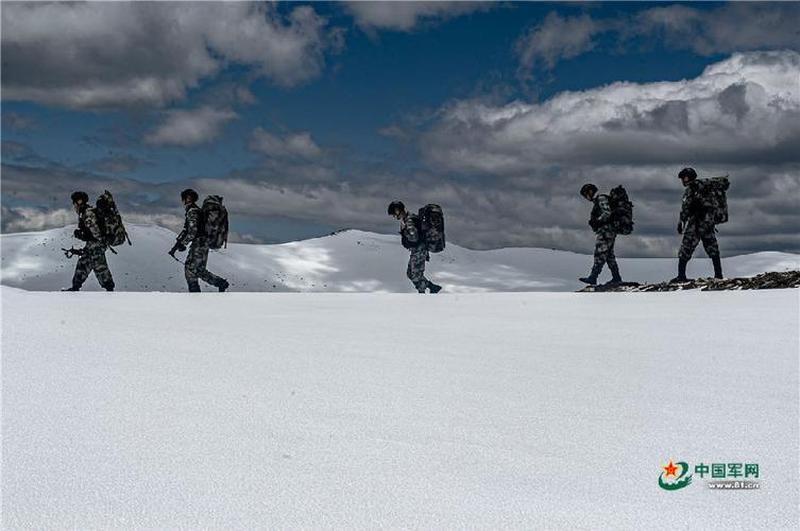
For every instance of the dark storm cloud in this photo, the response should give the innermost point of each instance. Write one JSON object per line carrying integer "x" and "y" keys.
{"x": 530, "y": 211}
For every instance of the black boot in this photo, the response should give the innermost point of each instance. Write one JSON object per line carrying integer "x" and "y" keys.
{"x": 109, "y": 287}
{"x": 223, "y": 285}
{"x": 73, "y": 288}
{"x": 681, "y": 271}
{"x": 194, "y": 287}
{"x": 615, "y": 276}
{"x": 717, "y": 261}
{"x": 435, "y": 288}
{"x": 592, "y": 278}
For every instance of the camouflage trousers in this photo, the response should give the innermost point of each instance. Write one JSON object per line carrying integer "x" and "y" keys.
{"x": 604, "y": 250}
{"x": 93, "y": 259}
{"x": 195, "y": 267}
{"x": 693, "y": 234}
{"x": 416, "y": 268}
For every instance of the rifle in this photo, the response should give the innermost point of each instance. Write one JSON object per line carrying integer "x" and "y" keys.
{"x": 176, "y": 247}
{"x": 72, "y": 251}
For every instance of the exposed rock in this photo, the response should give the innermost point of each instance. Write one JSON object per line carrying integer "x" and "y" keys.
{"x": 773, "y": 280}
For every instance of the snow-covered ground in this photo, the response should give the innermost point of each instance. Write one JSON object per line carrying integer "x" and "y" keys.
{"x": 484, "y": 410}
{"x": 347, "y": 261}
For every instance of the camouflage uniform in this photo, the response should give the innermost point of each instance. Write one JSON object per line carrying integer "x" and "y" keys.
{"x": 696, "y": 215}
{"x": 419, "y": 252}
{"x": 600, "y": 221}
{"x": 94, "y": 252}
{"x": 196, "y": 260}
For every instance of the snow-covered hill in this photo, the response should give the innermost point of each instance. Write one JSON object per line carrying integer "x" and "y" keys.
{"x": 348, "y": 261}
{"x": 367, "y": 411}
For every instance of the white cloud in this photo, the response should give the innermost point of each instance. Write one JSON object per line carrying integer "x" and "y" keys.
{"x": 406, "y": 16}
{"x": 731, "y": 27}
{"x": 746, "y": 108}
{"x": 25, "y": 219}
{"x": 736, "y": 26}
{"x": 295, "y": 145}
{"x": 557, "y": 38}
{"x": 99, "y": 54}
{"x": 190, "y": 127}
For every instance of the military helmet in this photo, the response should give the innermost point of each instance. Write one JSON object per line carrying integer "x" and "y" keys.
{"x": 687, "y": 172}
{"x": 189, "y": 193}
{"x": 80, "y": 196}
{"x": 588, "y": 187}
{"x": 396, "y": 205}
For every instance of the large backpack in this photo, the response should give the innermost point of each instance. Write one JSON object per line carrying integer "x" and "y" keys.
{"x": 431, "y": 221}
{"x": 715, "y": 198}
{"x": 214, "y": 228}
{"x": 110, "y": 221}
{"x": 621, "y": 210}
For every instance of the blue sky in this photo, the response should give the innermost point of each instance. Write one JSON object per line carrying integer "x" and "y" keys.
{"x": 340, "y": 102}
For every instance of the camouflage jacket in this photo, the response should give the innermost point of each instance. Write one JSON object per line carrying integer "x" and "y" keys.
{"x": 409, "y": 231}
{"x": 601, "y": 212}
{"x": 696, "y": 205}
{"x": 88, "y": 225}
{"x": 191, "y": 226}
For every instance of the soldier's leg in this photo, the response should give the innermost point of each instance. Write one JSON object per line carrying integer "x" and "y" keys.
{"x": 100, "y": 267}
{"x": 691, "y": 238}
{"x": 711, "y": 246}
{"x": 82, "y": 270}
{"x": 689, "y": 243}
{"x": 190, "y": 269}
{"x": 611, "y": 257}
{"x": 710, "y": 243}
{"x": 416, "y": 269}
{"x": 602, "y": 247}
{"x": 202, "y": 269}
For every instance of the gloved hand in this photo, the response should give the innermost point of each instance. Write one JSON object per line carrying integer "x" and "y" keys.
{"x": 177, "y": 247}
{"x": 78, "y": 234}
{"x": 680, "y": 227}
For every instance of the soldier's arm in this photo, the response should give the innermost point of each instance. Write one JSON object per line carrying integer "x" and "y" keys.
{"x": 686, "y": 204}
{"x": 91, "y": 223}
{"x": 605, "y": 209}
{"x": 190, "y": 232}
{"x": 411, "y": 233}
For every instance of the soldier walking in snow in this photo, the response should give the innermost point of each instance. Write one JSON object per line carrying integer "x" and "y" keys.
{"x": 193, "y": 233}
{"x": 600, "y": 221}
{"x": 413, "y": 240}
{"x": 93, "y": 255}
{"x": 704, "y": 205}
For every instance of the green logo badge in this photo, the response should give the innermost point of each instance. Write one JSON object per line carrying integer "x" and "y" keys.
{"x": 679, "y": 480}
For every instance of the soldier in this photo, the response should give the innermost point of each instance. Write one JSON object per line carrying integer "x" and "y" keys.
{"x": 196, "y": 260}
{"x": 696, "y": 224}
{"x": 410, "y": 237}
{"x": 600, "y": 221}
{"x": 93, "y": 255}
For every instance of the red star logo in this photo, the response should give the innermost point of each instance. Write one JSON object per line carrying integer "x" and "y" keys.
{"x": 669, "y": 469}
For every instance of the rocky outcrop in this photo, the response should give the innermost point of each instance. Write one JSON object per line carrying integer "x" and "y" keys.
{"x": 773, "y": 280}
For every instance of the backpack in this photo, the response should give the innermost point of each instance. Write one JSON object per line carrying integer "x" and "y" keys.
{"x": 621, "y": 210}
{"x": 431, "y": 221}
{"x": 214, "y": 226}
{"x": 715, "y": 198}
{"x": 110, "y": 221}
